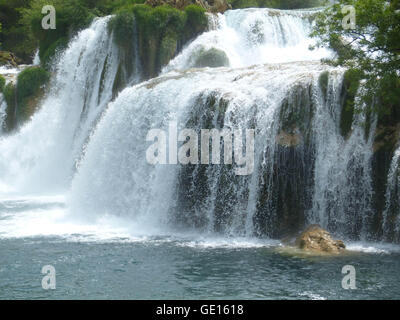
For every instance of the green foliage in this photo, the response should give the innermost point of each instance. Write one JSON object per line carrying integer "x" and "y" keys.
{"x": 161, "y": 30}
{"x": 371, "y": 48}
{"x": 276, "y": 4}
{"x": 30, "y": 81}
{"x": 122, "y": 26}
{"x": 2, "y": 83}
{"x": 196, "y": 20}
{"x": 14, "y": 37}
{"x": 48, "y": 55}
{"x": 71, "y": 16}
{"x": 323, "y": 82}
{"x": 22, "y": 98}
{"x": 10, "y": 97}
{"x": 351, "y": 83}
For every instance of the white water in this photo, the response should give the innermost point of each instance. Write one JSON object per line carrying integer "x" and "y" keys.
{"x": 343, "y": 187}
{"x": 254, "y": 36}
{"x": 41, "y": 156}
{"x": 3, "y": 107}
{"x": 93, "y": 153}
{"x": 390, "y": 223}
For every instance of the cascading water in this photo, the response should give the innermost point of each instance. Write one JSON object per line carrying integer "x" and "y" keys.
{"x": 391, "y": 217}
{"x": 255, "y": 36}
{"x": 47, "y": 147}
{"x": 305, "y": 171}
{"x": 114, "y": 226}
{"x": 212, "y": 198}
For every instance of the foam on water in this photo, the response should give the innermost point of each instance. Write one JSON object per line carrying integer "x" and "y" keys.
{"x": 255, "y": 36}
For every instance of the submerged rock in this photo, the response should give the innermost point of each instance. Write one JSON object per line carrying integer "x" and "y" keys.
{"x": 318, "y": 240}
{"x": 212, "y": 58}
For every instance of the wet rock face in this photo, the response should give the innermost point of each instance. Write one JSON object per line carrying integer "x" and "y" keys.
{"x": 318, "y": 240}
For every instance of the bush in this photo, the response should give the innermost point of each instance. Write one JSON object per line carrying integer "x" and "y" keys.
{"x": 277, "y": 4}
{"x": 122, "y": 26}
{"x": 72, "y": 16}
{"x": 29, "y": 89}
{"x": 196, "y": 20}
{"x": 30, "y": 81}
{"x": 161, "y": 31}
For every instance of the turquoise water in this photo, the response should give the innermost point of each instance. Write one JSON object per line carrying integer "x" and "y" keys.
{"x": 162, "y": 269}
{"x": 94, "y": 262}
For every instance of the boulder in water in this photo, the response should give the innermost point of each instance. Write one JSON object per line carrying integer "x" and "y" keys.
{"x": 316, "y": 239}
{"x": 212, "y": 58}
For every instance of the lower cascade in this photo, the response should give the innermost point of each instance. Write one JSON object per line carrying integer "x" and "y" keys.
{"x": 250, "y": 71}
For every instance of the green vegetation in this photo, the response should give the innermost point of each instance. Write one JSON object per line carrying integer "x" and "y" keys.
{"x": 2, "y": 83}
{"x": 22, "y": 98}
{"x": 351, "y": 83}
{"x": 277, "y": 4}
{"x": 10, "y": 97}
{"x": 71, "y": 16}
{"x": 21, "y": 31}
{"x": 375, "y": 57}
{"x": 161, "y": 31}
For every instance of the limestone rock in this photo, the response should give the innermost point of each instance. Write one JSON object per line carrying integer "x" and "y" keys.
{"x": 316, "y": 239}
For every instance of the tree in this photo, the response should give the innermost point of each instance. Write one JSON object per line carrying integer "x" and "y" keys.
{"x": 371, "y": 47}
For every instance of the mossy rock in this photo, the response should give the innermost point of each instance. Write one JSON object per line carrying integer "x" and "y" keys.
{"x": 23, "y": 97}
{"x": 11, "y": 99}
{"x": 122, "y": 26}
{"x": 162, "y": 31}
{"x": 47, "y": 57}
{"x": 351, "y": 83}
{"x": 212, "y": 58}
{"x": 168, "y": 48}
{"x": 323, "y": 81}
{"x": 31, "y": 80}
{"x": 2, "y": 83}
{"x": 8, "y": 59}
{"x": 30, "y": 86}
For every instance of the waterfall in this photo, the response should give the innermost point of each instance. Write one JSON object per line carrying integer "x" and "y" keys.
{"x": 90, "y": 142}
{"x": 343, "y": 191}
{"x": 115, "y": 177}
{"x": 47, "y": 148}
{"x": 391, "y": 217}
{"x": 255, "y": 36}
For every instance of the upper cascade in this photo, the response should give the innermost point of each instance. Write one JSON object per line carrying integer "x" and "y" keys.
{"x": 247, "y": 37}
